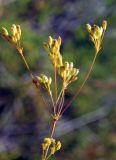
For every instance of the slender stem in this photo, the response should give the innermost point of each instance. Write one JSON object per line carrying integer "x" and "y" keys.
{"x": 55, "y": 82}
{"x": 61, "y": 106}
{"x": 26, "y": 65}
{"x": 45, "y": 156}
{"x": 54, "y": 123}
{"x": 61, "y": 103}
{"x": 31, "y": 75}
{"x": 79, "y": 90}
{"x": 48, "y": 157}
{"x": 52, "y": 100}
{"x": 53, "y": 128}
{"x": 60, "y": 95}
{"x": 42, "y": 154}
{"x": 51, "y": 136}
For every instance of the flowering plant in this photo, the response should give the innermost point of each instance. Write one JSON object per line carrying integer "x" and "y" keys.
{"x": 65, "y": 70}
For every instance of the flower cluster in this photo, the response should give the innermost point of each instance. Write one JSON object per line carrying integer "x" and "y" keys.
{"x": 51, "y": 145}
{"x": 68, "y": 73}
{"x": 44, "y": 81}
{"x": 64, "y": 69}
{"x": 96, "y": 34}
{"x": 13, "y": 37}
{"x": 53, "y": 49}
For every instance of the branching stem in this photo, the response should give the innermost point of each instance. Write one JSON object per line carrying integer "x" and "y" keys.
{"x": 53, "y": 103}
{"x": 79, "y": 90}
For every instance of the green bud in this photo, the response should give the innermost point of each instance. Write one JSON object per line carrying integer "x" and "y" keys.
{"x": 50, "y": 40}
{"x": 104, "y": 24}
{"x": 59, "y": 40}
{"x": 13, "y": 29}
{"x": 88, "y": 26}
{"x": 4, "y": 32}
{"x": 58, "y": 145}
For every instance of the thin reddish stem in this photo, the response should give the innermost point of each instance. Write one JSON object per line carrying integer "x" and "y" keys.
{"x": 53, "y": 128}
{"x": 31, "y": 75}
{"x": 53, "y": 104}
{"x": 79, "y": 90}
{"x": 61, "y": 103}
{"x": 26, "y": 65}
{"x": 51, "y": 136}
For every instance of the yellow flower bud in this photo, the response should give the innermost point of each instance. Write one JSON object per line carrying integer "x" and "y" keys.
{"x": 47, "y": 141}
{"x": 44, "y": 146}
{"x": 97, "y": 32}
{"x": 4, "y": 32}
{"x": 50, "y": 80}
{"x": 14, "y": 39}
{"x": 104, "y": 24}
{"x": 50, "y": 40}
{"x": 18, "y": 30}
{"x": 59, "y": 40}
{"x": 13, "y": 29}
{"x": 88, "y": 26}
{"x": 66, "y": 64}
{"x": 58, "y": 145}
{"x": 71, "y": 65}
{"x": 76, "y": 71}
{"x": 17, "y": 35}
{"x": 45, "y": 78}
{"x": 53, "y": 141}
{"x": 59, "y": 61}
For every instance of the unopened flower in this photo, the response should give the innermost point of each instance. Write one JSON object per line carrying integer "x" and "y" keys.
{"x": 104, "y": 25}
{"x": 4, "y": 32}
{"x": 53, "y": 49}
{"x": 47, "y": 141}
{"x": 55, "y": 147}
{"x": 96, "y": 34}
{"x": 16, "y": 33}
{"x": 58, "y": 145}
{"x": 50, "y": 143}
{"x": 44, "y": 81}
{"x": 13, "y": 37}
{"x": 68, "y": 73}
{"x": 44, "y": 146}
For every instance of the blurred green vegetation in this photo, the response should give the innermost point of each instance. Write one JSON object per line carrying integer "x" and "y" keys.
{"x": 38, "y": 20}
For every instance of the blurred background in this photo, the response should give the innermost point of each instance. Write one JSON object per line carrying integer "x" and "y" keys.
{"x": 87, "y": 128}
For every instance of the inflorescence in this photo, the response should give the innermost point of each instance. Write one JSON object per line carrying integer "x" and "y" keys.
{"x": 66, "y": 71}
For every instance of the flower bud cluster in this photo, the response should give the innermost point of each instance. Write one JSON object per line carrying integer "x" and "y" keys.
{"x": 96, "y": 34}
{"x": 53, "y": 49}
{"x": 16, "y": 33}
{"x": 14, "y": 37}
{"x": 44, "y": 81}
{"x": 50, "y": 142}
{"x": 68, "y": 73}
